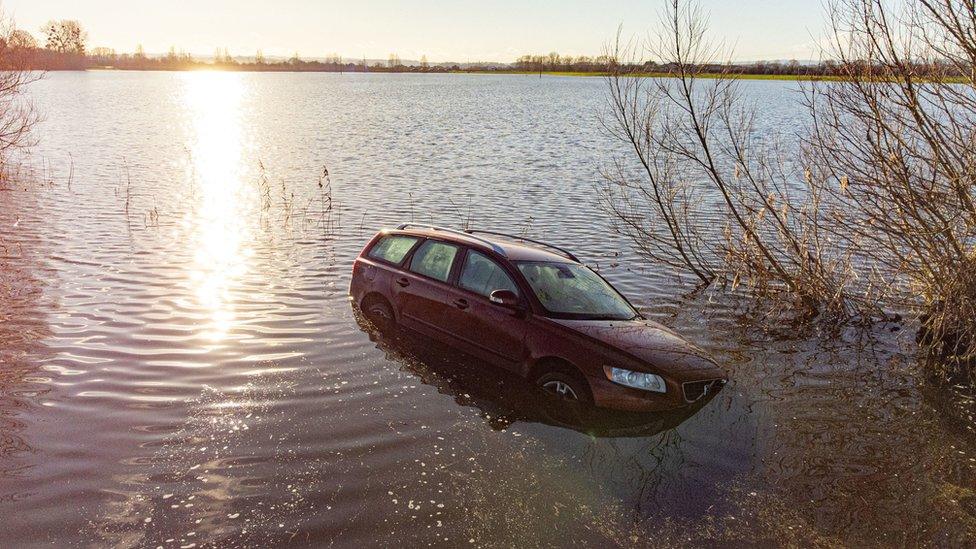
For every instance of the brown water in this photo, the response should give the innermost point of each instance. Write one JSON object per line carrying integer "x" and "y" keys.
{"x": 180, "y": 363}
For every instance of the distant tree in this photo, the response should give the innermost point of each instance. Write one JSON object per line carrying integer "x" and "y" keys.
{"x": 140, "y": 53}
{"x": 65, "y": 36}
{"x": 259, "y": 57}
{"x": 295, "y": 59}
{"x": 553, "y": 61}
{"x": 104, "y": 56}
{"x": 423, "y": 62}
{"x": 21, "y": 40}
{"x": 17, "y": 64}
{"x": 334, "y": 61}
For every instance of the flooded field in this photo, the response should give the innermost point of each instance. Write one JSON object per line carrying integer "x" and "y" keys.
{"x": 180, "y": 365}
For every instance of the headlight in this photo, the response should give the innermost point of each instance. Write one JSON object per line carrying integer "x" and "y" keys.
{"x": 637, "y": 380}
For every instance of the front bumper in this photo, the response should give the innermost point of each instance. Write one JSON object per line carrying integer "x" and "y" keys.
{"x": 607, "y": 394}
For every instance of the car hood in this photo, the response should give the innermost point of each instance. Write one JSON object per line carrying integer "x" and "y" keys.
{"x": 646, "y": 341}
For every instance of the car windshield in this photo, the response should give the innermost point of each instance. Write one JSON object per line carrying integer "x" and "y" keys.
{"x": 574, "y": 291}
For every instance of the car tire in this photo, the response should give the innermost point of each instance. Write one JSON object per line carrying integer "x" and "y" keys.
{"x": 380, "y": 314}
{"x": 566, "y": 385}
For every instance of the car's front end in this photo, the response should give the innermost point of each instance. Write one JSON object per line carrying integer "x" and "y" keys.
{"x": 675, "y": 393}
{"x": 641, "y": 366}
{"x": 629, "y": 363}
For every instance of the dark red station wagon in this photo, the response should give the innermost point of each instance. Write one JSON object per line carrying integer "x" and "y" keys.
{"x": 532, "y": 308}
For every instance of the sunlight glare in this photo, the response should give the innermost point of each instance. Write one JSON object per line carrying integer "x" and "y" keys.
{"x": 220, "y": 240}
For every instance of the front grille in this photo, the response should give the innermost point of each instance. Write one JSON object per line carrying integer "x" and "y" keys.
{"x": 695, "y": 390}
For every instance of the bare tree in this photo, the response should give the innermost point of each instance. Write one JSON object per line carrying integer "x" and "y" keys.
{"x": 65, "y": 36}
{"x": 874, "y": 210}
{"x": 17, "y": 113}
{"x": 20, "y": 39}
{"x": 705, "y": 194}
{"x": 893, "y": 142}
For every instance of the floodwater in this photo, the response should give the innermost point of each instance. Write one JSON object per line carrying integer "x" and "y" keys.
{"x": 181, "y": 366}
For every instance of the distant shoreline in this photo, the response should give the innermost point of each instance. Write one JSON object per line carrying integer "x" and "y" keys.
{"x": 47, "y": 60}
{"x": 513, "y": 72}
{"x": 737, "y": 76}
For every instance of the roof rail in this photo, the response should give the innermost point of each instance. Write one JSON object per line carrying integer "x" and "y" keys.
{"x": 567, "y": 253}
{"x": 495, "y": 247}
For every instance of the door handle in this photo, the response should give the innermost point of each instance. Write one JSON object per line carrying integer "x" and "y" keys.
{"x": 403, "y": 282}
{"x": 461, "y": 303}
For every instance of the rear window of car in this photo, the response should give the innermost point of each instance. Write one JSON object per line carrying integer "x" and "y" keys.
{"x": 393, "y": 248}
{"x": 434, "y": 259}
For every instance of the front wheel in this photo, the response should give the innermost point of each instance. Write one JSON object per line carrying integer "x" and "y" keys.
{"x": 566, "y": 386}
{"x": 379, "y": 312}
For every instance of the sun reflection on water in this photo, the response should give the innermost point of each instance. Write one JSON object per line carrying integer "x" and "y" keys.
{"x": 218, "y": 221}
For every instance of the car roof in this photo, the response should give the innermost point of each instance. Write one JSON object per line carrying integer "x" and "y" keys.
{"x": 508, "y": 246}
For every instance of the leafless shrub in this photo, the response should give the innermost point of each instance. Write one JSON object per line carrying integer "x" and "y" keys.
{"x": 18, "y": 115}
{"x": 707, "y": 195}
{"x": 264, "y": 186}
{"x": 328, "y": 218}
{"x": 320, "y": 209}
{"x": 464, "y": 216}
{"x": 894, "y": 145}
{"x": 875, "y": 210}
{"x": 123, "y": 190}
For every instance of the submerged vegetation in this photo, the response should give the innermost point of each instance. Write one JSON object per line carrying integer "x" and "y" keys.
{"x": 870, "y": 216}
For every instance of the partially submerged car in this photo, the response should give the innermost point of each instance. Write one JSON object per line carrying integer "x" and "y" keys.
{"x": 504, "y": 399}
{"x": 532, "y": 308}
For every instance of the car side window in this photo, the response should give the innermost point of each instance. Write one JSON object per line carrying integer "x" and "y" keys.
{"x": 434, "y": 259}
{"x": 393, "y": 248}
{"x": 482, "y": 275}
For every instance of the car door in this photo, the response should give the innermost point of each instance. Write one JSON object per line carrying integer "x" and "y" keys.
{"x": 423, "y": 289}
{"x": 492, "y": 332}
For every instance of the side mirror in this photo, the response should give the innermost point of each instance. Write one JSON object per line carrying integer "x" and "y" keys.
{"x": 505, "y": 298}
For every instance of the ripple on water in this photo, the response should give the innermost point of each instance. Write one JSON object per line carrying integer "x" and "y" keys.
{"x": 180, "y": 364}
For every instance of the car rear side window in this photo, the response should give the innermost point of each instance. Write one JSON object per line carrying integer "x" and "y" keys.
{"x": 393, "y": 248}
{"x": 482, "y": 275}
{"x": 434, "y": 259}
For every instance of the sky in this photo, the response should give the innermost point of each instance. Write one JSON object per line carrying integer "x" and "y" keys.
{"x": 458, "y": 30}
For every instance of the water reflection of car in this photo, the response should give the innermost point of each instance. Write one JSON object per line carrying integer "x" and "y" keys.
{"x": 531, "y": 308}
{"x": 503, "y": 398}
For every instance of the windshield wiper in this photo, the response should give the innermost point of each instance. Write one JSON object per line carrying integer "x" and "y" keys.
{"x": 608, "y": 317}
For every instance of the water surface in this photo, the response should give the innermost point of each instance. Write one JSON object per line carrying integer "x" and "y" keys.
{"x": 180, "y": 363}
